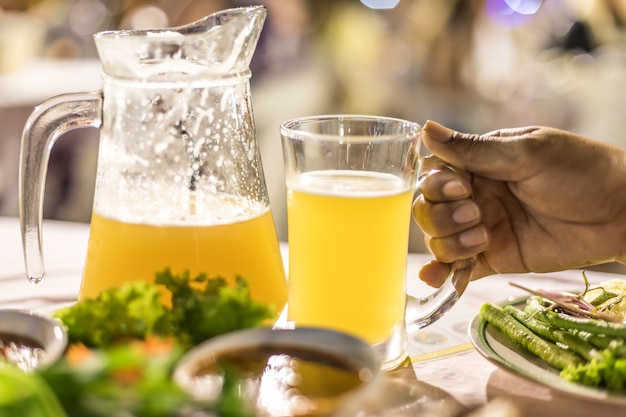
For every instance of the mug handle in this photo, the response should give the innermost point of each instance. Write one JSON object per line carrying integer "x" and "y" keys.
{"x": 44, "y": 126}
{"x": 421, "y": 312}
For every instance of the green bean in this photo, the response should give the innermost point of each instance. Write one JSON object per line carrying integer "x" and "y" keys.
{"x": 594, "y": 326}
{"x": 598, "y": 340}
{"x": 520, "y": 334}
{"x": 536, "y": 309}
{"x": 553, "y": 333}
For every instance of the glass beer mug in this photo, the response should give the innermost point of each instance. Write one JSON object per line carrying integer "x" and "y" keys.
{"x": 179, "y": 180}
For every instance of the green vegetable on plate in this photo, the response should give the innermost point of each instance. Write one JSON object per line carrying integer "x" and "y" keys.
{"x": 594, "y": 326}
{"x": 549, "y": 351}
{"x": 542, "y": 328}
{"x": 584, "y": 350}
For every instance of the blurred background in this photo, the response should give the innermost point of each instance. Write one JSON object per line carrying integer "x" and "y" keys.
{"x": 474, "y": 65}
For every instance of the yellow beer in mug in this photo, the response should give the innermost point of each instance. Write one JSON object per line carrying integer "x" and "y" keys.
{"x": 348, "y": 237}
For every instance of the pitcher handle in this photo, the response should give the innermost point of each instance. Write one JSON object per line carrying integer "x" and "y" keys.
{"x": 44, "y": 126}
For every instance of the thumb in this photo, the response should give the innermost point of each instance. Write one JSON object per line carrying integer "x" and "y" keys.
{"x": 495, "y": 155}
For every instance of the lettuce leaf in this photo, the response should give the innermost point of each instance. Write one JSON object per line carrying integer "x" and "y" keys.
{"x": 205, "y": 307}
{"x": 133, "y": 311}
{"x": 201, "y": 308}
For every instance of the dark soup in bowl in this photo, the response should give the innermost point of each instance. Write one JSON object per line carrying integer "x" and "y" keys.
{"x": 30, "y": 341}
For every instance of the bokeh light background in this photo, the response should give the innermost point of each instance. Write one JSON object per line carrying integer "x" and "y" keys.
{"x": 474, "y": 65}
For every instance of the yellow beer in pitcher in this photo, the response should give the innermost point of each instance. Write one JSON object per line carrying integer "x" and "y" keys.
{"x": 120, "y": 252}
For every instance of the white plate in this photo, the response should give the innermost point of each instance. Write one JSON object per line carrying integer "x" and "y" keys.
{"x": 500, "y": 350}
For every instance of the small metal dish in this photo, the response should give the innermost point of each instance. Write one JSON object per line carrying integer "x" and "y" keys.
{"x": 30, "y": 341}
{"x": 295, "y": 372}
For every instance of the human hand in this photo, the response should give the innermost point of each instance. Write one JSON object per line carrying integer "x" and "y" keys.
{"x": 533, "y": 199}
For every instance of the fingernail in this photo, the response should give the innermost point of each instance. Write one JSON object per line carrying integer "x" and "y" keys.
{"x": 465, "y": 213}
{"x": 473, "y": 237}
{"x": 438, "y": 132}
{"x": 454, "y": 188}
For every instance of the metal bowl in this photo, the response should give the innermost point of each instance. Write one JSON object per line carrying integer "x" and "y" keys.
{"x": 339, "y": 371}
{"x": 29, "y": 340}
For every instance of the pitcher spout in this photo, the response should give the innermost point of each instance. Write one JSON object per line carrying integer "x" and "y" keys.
{"x": 222, "y": 43}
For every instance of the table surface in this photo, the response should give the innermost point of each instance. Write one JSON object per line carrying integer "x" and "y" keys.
{"x": 443, "y": 364}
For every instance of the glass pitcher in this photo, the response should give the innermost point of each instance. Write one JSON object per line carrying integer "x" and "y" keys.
{"x": 179, "y": 180}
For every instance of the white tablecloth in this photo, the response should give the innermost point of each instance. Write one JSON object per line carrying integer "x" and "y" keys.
{"x": 443, "y": 363}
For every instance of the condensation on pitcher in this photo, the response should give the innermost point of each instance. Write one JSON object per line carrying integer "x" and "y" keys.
{"x": 203, "y": 116}
{"x": 225, "y": 102}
